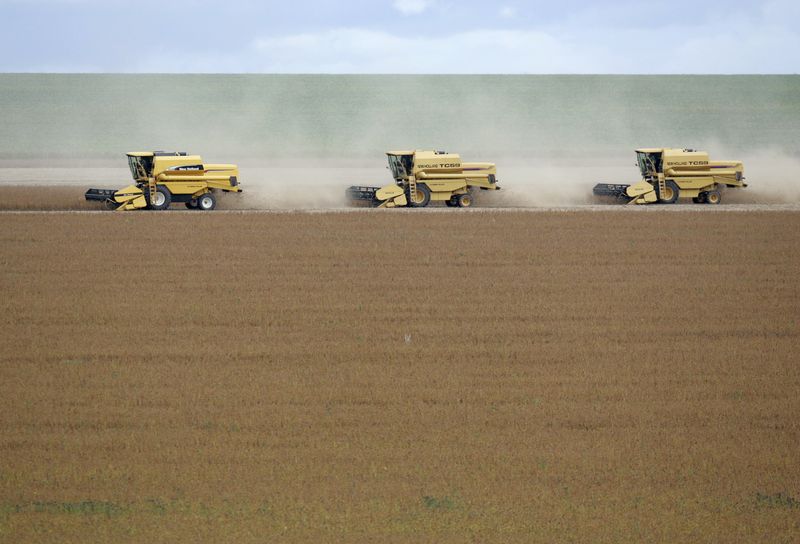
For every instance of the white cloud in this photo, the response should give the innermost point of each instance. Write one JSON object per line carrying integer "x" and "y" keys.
{"x": 735, "y": 44}
{"x": 507, "y": 12}
{"x": 367, "y": 51}
{"x": 449, "y": 37}
{"x": 781, "y": 11}
{"x": 411, "y": 7}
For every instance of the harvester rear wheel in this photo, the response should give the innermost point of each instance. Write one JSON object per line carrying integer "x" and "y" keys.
{"x": 713, "y": 197}
{"x": 671, "y": 192}
{"x": 464, "y": 201}
{"x": 207, "y": 202}
{"x": 421, "y": 198}
{"x": 162, "y": 199}
{"x": 451, "y": 203}
{"x": 191, "y": 204}
{"x": 699, "y": 199}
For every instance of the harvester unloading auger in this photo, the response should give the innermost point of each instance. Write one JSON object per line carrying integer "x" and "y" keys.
{"x": 162, "y": 177}
{"x": 424, "y": 176}
{"x": 669, "y": 174}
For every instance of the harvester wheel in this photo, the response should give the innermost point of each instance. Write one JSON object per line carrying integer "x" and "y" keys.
{"x": 451, "y": 203}
{"x": 671, "y": 192}
{"x": 421, "y": 198}
{"x": 162, "y": 199}
{"x": 713, "y": 197}
{"x": 207, "y": 202}
{"x": 700, "y": 199}
{"x": 191, "y": 204}
{"x": 464, "y": 201}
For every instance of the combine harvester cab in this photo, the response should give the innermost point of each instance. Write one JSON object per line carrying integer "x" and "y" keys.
{"x": 161, "y": 178}
{"x": 424, "y": 176}
{"x": 669, "y": 174}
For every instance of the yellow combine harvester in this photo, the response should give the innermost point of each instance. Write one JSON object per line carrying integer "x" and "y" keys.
{"x": 669, "y": 174}
{"x": 424, "y": 176}
{"x": 164, "y": 177}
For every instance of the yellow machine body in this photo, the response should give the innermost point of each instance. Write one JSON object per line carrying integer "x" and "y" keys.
{"x": 424, "y": 176}
{"x": 669, "y": 174}
{"x": 161, "y": 178}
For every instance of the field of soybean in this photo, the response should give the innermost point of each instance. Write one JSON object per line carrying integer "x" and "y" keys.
{"x": 503, "y": 377}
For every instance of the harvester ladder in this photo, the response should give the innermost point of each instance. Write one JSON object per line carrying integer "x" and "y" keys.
{"x": 412, "y": 189}
{"x": 662, "y": 186}
{"x": 151, "y": 188}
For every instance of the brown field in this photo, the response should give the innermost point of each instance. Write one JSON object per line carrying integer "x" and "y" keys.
{"x": 45, "y": 197}
{"x": 400, "y": 377}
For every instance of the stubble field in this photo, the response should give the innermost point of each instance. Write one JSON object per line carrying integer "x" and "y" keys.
{"x": 397, "y": 377}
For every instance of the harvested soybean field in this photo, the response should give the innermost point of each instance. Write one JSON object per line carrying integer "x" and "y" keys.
{"x": 394, "y": 377}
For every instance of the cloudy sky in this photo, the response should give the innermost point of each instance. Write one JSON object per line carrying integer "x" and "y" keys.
{"x": 401, "y": 36}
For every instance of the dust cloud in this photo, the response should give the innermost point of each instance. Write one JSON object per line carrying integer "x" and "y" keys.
{"x": 525, "y": 183}
{"x": 300, "y": 141}
{"x": 317, "y": 184}
{"x": 771, "y": 178}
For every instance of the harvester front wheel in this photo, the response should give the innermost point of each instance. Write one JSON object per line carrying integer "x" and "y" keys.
{"x": 207, "y": 202}
{"x": 671, "y": 192}
{"x": 421, "y": 197}
{"x": 464, "y": 201}
{"x": 161, "y": 199}
{"x": 713, "y": 197}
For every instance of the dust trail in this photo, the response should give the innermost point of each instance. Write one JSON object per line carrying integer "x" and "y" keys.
{"x": 285, "y": 184}
{"x": 770, "y": 175}
{"x": 552, "y": 182}
{"x": 314, "y": 184}
{"x": 772, "y": 178}
{"x": 300, "y": 141}
{"x": 322, "y": 184}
